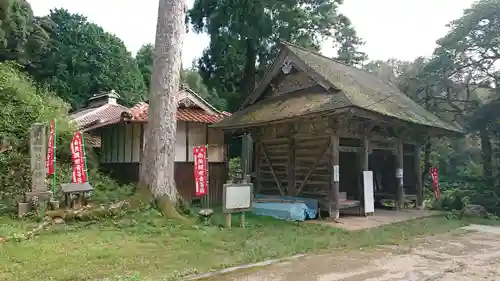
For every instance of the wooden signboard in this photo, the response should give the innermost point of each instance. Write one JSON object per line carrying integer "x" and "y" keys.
{"x": 237, "y": 198}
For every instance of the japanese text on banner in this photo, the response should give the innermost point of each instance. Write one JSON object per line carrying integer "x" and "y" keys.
{"x": 435, "y": 183}
{"x": 77, "y": 155}
{"x": 51, "y": 150}
{"x": 200, "y": 170}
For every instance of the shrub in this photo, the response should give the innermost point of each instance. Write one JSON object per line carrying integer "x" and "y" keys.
{"x": 24, "y": 103}
{"x": 235, "y": 172}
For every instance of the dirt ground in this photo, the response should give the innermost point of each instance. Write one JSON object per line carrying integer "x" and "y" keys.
{"x": 471, "y": 253}
{"x": 380, "y": 217}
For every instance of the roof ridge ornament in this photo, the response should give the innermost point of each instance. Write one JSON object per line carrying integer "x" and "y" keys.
{"x": 287, "y": 66}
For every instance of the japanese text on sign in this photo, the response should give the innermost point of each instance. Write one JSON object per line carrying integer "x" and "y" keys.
{"x": 435, "y": 183}
{"x": 200, "y": 170}
{"x": 79, "y": 169}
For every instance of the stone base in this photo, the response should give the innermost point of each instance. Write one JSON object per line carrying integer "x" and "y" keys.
{"x": 23, "y": 209}
{"x": 40, "y": 195}
{"x": 54, "y": 204}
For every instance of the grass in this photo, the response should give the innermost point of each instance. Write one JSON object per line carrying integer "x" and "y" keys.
{"x": 158, "y": 249}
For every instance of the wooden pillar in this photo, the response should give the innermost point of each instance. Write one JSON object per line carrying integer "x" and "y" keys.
{"x": 418, "y": 177}
{"x": 400, "y": 176}
{"x": 291, "y": 188}
{"x": 334, "y": 188}
{"x": 246, "y": 157}
{"x": 257, "y": 164}
{"x": 364, "y": 167}
{"x": 366, "y": 153}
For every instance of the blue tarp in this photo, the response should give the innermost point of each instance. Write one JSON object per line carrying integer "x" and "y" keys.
{"x": 287, "y": 211}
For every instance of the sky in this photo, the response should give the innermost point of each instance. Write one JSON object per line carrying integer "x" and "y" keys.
{"x": 402, "y": 29}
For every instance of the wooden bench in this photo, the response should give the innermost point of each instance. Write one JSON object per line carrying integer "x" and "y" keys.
{"x": 76, "y": 193}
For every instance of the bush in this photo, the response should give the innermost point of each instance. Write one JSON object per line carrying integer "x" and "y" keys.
{"x": 23, "y": 104}
{"x": 235, "y": 172}
{"x": 105, "y": 188}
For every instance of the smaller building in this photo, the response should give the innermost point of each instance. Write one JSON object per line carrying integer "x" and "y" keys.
{"x": 121, "y": 135}
{"x": 101, "y": 109}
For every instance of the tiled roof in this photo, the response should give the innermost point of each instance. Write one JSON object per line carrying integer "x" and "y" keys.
{"x": 92, "y": 140}
{"x": 101, "y": 114}
{"x": 139, "y": 113}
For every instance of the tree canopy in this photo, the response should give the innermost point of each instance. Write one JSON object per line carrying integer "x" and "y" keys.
{"x": 22, "y": 35}
{"x": 190, "y": 76}
{"x": 82, "y": 59}
{"x": 243, "y": 37}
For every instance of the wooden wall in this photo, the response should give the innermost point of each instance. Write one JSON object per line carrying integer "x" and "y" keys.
{"x": 184, "y": 179}
{"x": 311, "y": 167}
{"x": 123, "y": 142}
{"x": 218, "y": 173}
{"x": 310, "y": 164}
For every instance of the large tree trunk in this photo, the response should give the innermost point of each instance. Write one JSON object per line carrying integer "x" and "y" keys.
{"x": 157, "y": 169}
{"x": 248, "y": 81}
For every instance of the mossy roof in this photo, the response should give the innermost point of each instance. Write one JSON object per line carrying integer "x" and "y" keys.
{"x": 350, "y": 87}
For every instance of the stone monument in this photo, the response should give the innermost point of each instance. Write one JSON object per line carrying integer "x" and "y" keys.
{"x": 39, "y": 194}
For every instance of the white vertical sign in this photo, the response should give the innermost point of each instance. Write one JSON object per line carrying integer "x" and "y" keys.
{"x": 368, "y": 191}
{"x": 336, "y": 173}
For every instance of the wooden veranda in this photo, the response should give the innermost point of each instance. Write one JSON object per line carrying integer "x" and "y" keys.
{"x": 313, "y": 125}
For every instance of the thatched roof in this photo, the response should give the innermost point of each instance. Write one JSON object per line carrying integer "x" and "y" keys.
{"x": 347, "y": 87}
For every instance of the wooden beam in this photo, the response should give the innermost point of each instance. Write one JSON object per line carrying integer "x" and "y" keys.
{"x": 400, "y": 176}
{"x": 334, "y": 192}
{"x": 418, "y": 176}
{"x": 266, "y": 156}
{"x": 313, "y": 168}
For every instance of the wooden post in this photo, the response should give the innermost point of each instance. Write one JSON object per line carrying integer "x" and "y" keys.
{"x": 228, "y": 220}
{"x": 242, "y": 220}
{"x": 418, "y": 177}
{"x": 334, "y": 192}
{"x": 365, "y": 153}
{"x": 400, "y": 176}
{"x": 246, "y": 157}
{"x": 291, "y": 188}
{"x": 257, "y": 164}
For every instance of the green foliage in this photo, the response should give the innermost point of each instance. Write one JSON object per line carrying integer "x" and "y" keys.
{"x": 22, "y": 105}
{"x": 22, "y": 35}
{"x": 106, "y": 189}
{"x": 189, "y": 76}
{"x": 144, "y": 60}
{"x": 82, "y": 60}
{"x": 235, "y": 172}
{"x": 193, "y": 79}
{"x": 244, "y": 34}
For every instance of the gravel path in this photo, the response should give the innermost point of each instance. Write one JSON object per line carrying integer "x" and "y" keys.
{"x": 471, "y": 253}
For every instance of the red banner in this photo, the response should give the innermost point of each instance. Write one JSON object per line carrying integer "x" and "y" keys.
{"x": 435, "y": 183}
{"x": 51, "y": 150}
{"x": 78, "y": 157}
{"x": 200, "y": 170}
